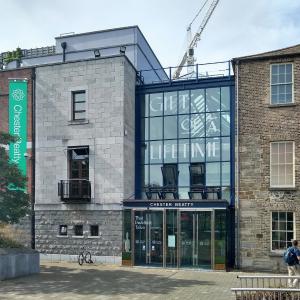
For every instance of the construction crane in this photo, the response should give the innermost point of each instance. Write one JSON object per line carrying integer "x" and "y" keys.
{"x": 188, "y": 56}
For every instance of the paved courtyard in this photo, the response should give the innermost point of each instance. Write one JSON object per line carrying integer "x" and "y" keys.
{"x": 69, "y": 281}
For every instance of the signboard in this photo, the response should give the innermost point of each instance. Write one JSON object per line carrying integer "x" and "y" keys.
{"x": 172, "y": 204}
{"x": 18, "y": 122}
{"x": 171, "y": 241}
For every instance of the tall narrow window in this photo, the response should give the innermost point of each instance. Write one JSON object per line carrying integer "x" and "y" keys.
{"x": 281, "y": 83}
{"x": 197, "y": 175}
{"x": 79, "y": 171}
{"x": 282, "y": 164}
{"x": 78, "y": 105}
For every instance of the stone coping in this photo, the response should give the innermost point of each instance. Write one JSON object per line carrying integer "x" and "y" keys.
{"x": 7, "y": 251}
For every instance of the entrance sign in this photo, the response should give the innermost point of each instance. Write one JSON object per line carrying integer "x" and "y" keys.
{"x": 18, "y": 122}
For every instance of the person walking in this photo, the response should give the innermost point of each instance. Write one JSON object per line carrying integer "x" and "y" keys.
{"x": 292, "y": 258}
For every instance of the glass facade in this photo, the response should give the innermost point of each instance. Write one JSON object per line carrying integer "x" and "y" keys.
{"x": 183, "y": 128}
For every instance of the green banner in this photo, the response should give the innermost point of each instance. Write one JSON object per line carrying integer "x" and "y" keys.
{"x": 18, "y": 122}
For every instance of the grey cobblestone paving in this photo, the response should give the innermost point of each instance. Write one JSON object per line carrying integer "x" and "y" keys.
{"x": 68, "y": 281}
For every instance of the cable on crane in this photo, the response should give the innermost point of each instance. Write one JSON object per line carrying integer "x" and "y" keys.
{"x": 197, "y": 14}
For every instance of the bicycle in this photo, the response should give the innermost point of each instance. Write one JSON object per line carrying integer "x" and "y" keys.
{"x": 84, "y": 256}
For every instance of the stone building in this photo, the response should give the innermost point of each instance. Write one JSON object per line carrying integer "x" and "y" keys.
{"x": 267, "y": 156}
{"x": 85, "y": 146}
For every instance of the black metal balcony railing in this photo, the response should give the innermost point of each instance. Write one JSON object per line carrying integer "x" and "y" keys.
{"x": 195, "y": 193}
{"x": 77, "y": 190}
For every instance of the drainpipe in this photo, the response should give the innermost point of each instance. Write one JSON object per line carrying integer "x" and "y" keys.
{"x": 33, "y": 76}
{"x": 64, "y": 47}
{"x": 237, "y": 171}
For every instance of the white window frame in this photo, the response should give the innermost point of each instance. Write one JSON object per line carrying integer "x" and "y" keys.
{"x": 280, "y": 185}
{"x": 276, "y": 84}
{"x": 271, "y": 231}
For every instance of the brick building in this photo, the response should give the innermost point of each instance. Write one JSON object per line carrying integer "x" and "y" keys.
{"x": 267, "y": 157}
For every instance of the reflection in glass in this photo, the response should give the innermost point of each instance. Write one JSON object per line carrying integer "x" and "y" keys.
{"x": 145, "y": 153}
{"x": 184, "y": 102}
{"x": 183, "y": 192}
{"x": 139, "y": 237}
{"x": 184, "y": 126}
{"x": 226, "y": 193}
{"x": 213, "y": 174}
{"x": 225, "y": 123}
{"x": 197, "y": 125}
{"x": 156, "y": 104}
{"x": 197, "y": 101}
{"x": 155, "y": 176}
{"x": 171, "y": 238}
{"x": 155, "y": 152}
{"x": 184, "y": 175}
{"x": 220, "y": 239}
{"x": 170, "y": 127}
{"x": 156, "y": 128}
{"x": 170, "y": 103}
{"x": 225, "y": 148}
{"x": 126, "y": 247}
{"x": 197, "y": 150}
{"x": 213, "y": 99}
{"x": 187, "y": 239}
{"x": 225, "y": 98}
{"x": 225, "y": 173}
{"x": 144, "y": 129}
{"x": 145, "y": 106}
{"x": 212, "y": 149}
{"x": 145, "y": 175}
{"x": 170, "y": 151}
{"x": 183, "y": 150}
{"x": 197, "y": 175}
{"x": 213, "y": 124}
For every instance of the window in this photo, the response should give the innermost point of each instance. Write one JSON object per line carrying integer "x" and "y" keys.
{"x": 282, "y": 230}
{"x": 281, "y": 83}
{"x": 78, "y": 105}
{"x": 79, "y": 186}
{"x": 184, "y": 128}
{"x": 78, "y": 230}
{"x": 79, "y": 162}
{"x": 63, "y": 230}
{"x": 197, "y": 175}
{"x": 94, "y": 230}
{"x": 170, "y": 175}
{"x": 282, "y": 164}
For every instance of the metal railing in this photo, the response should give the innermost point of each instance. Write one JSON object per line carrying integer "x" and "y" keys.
{"x": 194, "y": 72}
{"x": 78, "y": 190}
{"x": 268, "y": 287}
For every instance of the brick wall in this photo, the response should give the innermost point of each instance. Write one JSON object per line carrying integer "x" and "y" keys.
{"x": 260, "y": 124}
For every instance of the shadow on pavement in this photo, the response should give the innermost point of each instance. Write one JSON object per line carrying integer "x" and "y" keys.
{"x": 96, "y": 281}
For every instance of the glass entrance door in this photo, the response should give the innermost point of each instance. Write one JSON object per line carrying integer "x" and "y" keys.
{"x": 196, "y": 239}
{"x": 148, "y": 237}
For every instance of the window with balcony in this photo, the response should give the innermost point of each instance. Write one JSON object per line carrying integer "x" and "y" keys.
{"x": 282, "y": 84}
{"x": 282, "y": 169}
{"x": 282, "y": 230}
{"x": 78, "y": 186}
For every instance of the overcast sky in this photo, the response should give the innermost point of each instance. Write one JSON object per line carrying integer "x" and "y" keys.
{"x": 237, "y": 27}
